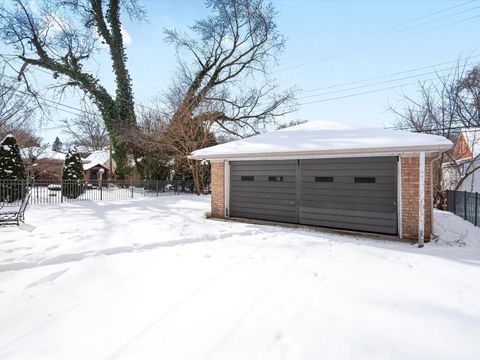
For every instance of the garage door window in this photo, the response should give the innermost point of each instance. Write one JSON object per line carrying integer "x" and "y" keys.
{"x": 275, "y": 178}
{"x": 365, "y": 180}
{"x": 324, "y": 179}
{"x": 247, "y": 178}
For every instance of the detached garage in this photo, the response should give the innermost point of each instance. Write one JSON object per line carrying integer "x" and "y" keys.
{"x": 329, "y": 175}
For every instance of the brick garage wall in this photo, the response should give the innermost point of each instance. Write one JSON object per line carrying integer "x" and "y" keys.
{"x": 218, "y": 189}
{"x": 410, "y": 178}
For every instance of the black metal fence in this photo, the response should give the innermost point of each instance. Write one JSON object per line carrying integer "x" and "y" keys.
{"x": 51, "y": 192}
{"x": 465, "y": 204}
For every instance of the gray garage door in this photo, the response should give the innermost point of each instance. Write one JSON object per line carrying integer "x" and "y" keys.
{"x": 264, "y": 190}
{"x": 353, "y": 193}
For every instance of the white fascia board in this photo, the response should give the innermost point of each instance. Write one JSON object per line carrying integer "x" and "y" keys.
{"x": 324, "y": 154}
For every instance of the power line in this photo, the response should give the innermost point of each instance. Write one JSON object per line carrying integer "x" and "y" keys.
{"x": 440, "y": 18}
{"x": 50, "y": 101}
{"x": 363, "y": 93}
{"x": 427, "y": 15}
{"x": 377, "y": 44}
{"x": 389, "y": 75}
{"x": 381, "y": 82}
{"x": 399, "y": 26}
{"x": 429, "y": 130}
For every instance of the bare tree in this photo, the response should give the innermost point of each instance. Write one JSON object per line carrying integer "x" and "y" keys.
{"x": 87, "y": 130}
{"x": 223, "y": 83}
{"x": 16, "y": 109}
{"x": 61, "y": 36}
{"x": 445, "y": 107}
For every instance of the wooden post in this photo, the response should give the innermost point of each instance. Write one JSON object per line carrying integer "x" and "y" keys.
{"x": 421, "y": 199}
{"x": 465, "y": 205}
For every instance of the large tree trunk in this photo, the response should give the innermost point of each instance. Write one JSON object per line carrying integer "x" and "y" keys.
{"x": 197, "y": 176}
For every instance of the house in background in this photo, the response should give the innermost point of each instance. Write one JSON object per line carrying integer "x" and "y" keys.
{"x": 43, "y": 164}
{"x": 467, "y": 157}
{"x": 97, "y": 165}
{"x": 329, "y": 175}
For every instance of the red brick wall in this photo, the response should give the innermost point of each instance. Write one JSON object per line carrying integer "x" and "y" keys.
{"x": 410, "y": 177}
{"x": 218, "y": 189}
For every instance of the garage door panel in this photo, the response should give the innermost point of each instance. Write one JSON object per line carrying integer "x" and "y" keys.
{"x": 347, "y": 186}
{"x": 339, "y": 201}
{"x": 379, "y": 207}
{"x": 348, "y": 179}
{"x": 264, "y": 191}
{"x": 263, "y": 184}
{"x": 354, "y": 222}
{"x": 278, "y": 168}
{"x": 348, "y": 173}
{"x": 263, "y": 173}
{"x": 262, "y": 179}
{"x": 348, "y": 226}
{"x": 348, "y": 161}
{"x": 272, "y": 208}
{"x": 262, "y": 198}
{"x": 265, "y": 216}
{"x": 349, "y": 193}
{"x": 242, "y": 200}
{"x": 350, "y": 213}
{"x": 352, "y": 166}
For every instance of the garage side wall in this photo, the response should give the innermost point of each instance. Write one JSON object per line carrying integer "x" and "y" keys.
{"x": 410, "y": 178}
{"x": 218, "y": 189}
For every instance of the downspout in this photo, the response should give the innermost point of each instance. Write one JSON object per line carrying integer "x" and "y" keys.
{"x": 421, "y": 199}
{"x": 436, "y": 158}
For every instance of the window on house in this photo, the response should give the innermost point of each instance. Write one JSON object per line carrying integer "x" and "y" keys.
{"x": 323, "y": 178}
{"x": 248, "y": 178}
{"x": 364, "y": 180}
{"x": 275, "y": 178}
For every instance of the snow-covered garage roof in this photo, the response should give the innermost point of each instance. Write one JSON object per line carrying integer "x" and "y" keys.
{"x": 323, "y": 138}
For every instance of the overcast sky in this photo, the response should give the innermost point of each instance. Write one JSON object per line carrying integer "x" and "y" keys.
{"x": 330, "y": 43}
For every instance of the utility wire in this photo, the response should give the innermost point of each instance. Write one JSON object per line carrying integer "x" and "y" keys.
{"x": 364, "y": 92}
{"x": 434, "y": 20}
{"x": 376, "y": 44}
{"x": 426, "y": 16}
{"x": 381, "y": 82}
{"x": 402, "y": 24}
{"x": 389, "y": 75}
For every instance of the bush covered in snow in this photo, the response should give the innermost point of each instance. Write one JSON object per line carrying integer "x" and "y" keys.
{"x": 11, "y": 169}
{"x": 72, "y": 175}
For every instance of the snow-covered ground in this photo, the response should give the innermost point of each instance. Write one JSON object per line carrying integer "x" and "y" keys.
{"x": 153, "y": 278}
